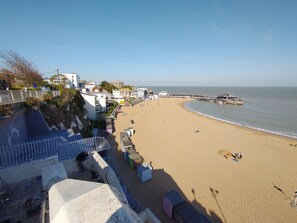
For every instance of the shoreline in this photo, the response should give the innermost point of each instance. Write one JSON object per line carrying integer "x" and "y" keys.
{"x": 260, "y": 130}
{"x": 193, "y": 163}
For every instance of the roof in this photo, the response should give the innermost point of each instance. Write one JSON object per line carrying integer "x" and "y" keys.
{"x": 81, "y": 201}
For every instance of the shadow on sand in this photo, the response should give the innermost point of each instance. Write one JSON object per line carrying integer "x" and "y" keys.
{"x": 150, "y": 193}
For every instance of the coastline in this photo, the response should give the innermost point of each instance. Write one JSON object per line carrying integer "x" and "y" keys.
{"x": 191, "y": 163}
{"x": 260, "y": 130}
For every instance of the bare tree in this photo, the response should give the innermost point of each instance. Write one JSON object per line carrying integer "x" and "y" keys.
{"x": 17, "y": 71}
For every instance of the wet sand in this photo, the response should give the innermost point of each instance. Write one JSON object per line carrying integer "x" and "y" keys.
{"x": 190, "y": 153}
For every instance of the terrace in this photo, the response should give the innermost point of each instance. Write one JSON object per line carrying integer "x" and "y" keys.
{"x": 31, "y": 198}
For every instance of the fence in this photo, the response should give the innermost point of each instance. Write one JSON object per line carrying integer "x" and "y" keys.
{"x": 40, "y": 149}
{"x": 15, "y": 96}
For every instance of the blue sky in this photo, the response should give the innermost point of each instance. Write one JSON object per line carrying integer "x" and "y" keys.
{"x": 157, "y": 42}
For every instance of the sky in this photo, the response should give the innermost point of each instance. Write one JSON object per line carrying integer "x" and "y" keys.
{"x": 157, "y": 42}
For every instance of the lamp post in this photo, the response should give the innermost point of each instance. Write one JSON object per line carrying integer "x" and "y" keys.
{"x": 58, "y": 76}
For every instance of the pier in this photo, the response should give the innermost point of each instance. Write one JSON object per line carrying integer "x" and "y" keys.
{"x": 193, "y": 96}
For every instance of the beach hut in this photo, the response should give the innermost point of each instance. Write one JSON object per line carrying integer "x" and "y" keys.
{"x": 125, "y": 141}
{"x": 125, "y": 144}
{"x": 127, "y": 152}
{"x": 131, "y": 130}
{"x": 124, "y": 135}
{"x": 135, "y": 160}
{"x": 128, "y": 132}
{"x": 144, "y": 172}
{"x": 170, "y": 200}
{"x": 109, "y": 125}
{"x": 183, "y": 212}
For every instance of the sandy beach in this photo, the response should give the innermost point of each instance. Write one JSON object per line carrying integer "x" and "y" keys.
{"x": 189, "y": 153}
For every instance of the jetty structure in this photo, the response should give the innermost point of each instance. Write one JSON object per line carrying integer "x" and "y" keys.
{"x": 227, "y": 98}
{"x": 222, "y": 99}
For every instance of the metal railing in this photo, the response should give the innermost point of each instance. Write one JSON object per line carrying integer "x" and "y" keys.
{"x": 16, "y": 96}
{"x": 41, "y": 149}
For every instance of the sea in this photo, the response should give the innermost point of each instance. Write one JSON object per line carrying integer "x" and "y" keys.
{"x": 269, "y": 109}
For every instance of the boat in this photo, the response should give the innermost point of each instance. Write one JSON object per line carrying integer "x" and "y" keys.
{"x": 227, "y": 98}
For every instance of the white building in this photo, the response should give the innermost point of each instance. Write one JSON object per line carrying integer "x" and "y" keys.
{"x": 141, "y": 91}
{"x": 95, "y": 103}
{"x": 90, "y": 85}
{"x": 58, "y": 79}
{"x": 74, "y": 80}
{"x": 122, "y": 93}
{"x": 116, "y": 93}
{"x": 138, "y": 93}
{"x": 163, "y": 94}
{"x": 70, "y": 80}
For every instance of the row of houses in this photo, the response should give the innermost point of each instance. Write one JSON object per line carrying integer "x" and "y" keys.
{"x": 96, "y": 102}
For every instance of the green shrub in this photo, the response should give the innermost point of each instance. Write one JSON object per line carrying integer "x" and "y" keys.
{"x": 47, "y": 97}
{"x": 87, "y": 132}
{"x": 6, "y": 110}
{"x": 31, "y": 101}
{"x": 79, "y": 101}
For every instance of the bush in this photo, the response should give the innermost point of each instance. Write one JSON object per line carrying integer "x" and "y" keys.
{"x": 66, "y": 95}
{"x": 79, "y": 101}
{"x": 98, "y": 124}
{"x": 87, "y": 132}
{"x": 111, "y": 108}
{"x": 31, "y": 101}
{"x": 6, "y": 110}
{"x": 47, "y": 97}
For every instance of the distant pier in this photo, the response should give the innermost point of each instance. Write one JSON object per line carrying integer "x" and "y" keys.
{"x": 193, "y": 96}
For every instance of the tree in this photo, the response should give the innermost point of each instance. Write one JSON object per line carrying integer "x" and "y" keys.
{"x": 17, "y": 71}
{"x": 128, "y": 87}
{"x": 107, "y": 86}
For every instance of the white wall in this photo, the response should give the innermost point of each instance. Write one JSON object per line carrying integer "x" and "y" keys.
{"x": 116, "y": 94}
{"x": 73, "y": 78}
{"x": 90, "y": 105}
{"x": 27, "y": 170}
{"x": 101, "y": 98}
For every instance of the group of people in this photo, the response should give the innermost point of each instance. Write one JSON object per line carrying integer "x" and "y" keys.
{"x": 237, "y": 156}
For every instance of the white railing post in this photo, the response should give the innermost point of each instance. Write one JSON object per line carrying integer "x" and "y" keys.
{"x": 22, "y": 95}
{"x": 11, "y": 95}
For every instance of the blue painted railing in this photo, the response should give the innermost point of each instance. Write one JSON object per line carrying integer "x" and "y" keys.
{"x": 41, "y": 149}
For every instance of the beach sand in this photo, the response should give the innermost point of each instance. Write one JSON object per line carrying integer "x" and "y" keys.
{"x": 193, "y": 163}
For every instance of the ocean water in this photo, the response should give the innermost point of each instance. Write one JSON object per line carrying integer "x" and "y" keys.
{"x": 271, "y": 109}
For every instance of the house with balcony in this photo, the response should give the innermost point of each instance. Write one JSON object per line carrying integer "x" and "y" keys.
{"x": 73, "y": 80}
{"x": 121, "y": 93}
{"x": 95, "y": 104}
{"x": 70, "y": 80}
